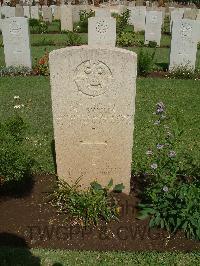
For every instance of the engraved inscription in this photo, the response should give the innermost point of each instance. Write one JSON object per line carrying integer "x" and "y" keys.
{"x": 15, "y": 28}
{"x": 93, "y": 78}
{"x": 102, "y": 26}
{"x": 154, "y": 19}
{"x": 186, "y": 31}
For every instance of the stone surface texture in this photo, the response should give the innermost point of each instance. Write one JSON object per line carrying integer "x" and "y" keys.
{"x": 93, "y": 100}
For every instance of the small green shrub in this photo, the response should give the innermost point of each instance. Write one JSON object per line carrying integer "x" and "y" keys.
{"x": 73, "y": 39}
{"x": 126, "y": 39}
{"x": 42, "y": 65}
{"x": 145, "y": 62}
{"x": 122, "y": 21}
{"x": 15, "y": 71}
{"x": 152, "y": 44}
{"x": 82, "y": 25}
{"x": 184, "y": 72}
{"x": 38, "y": 26}
{"x": 88, "y": 206}
{"x": 171, "y": 195}
{"x": 15, "y": 163}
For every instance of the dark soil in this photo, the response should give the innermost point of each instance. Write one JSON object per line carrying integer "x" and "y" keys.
{"x": 32, "y": 220}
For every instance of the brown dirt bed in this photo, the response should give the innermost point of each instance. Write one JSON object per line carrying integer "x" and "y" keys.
{"x": 30, "y": 217}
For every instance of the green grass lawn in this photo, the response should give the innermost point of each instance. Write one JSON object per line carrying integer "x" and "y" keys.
{"x": 181, "y": 97}
{"x": 36, "y": 257}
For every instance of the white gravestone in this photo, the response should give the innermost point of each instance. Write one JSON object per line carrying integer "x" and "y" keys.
{"x": 47, "y": 14}
{"x": 184, "y": 44}
{"x": 66, "y": 18}
{"x": 19, "y": 11}
{"x": 16, "y": 42}
{"x": 76, "y": 9}
{"x": 57, "y": 13}
{"x": 153, "y": 27}
{"x": 35, "y": 12}
{"x": 176, "y": 14}
{"x": 27, "y": 11}
{"x": 137, "y": 17}
{"x": 7, "y": 11}
{"x": 93, "y": 101}
{"x": 102, "y": 12}
{"x": 102, "y": 31}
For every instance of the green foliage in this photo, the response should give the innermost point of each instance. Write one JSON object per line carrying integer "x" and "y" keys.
{"x": 175, "y": 209}
{"x": 172, "y": 195}
{"x": 38, "y": 26}
{"x": 42, "y": 65}
{"x": 125, "y": 32}
{"x": 152, "y": 44}
{"x": 122, "y": 21}
{"x": 82, "y": 25}
{"x": 145, "y": 62}
{"x": 15, "y": 163}
{"x": 88, "y": 206}
{"x": 15, "y": 71}
{"x": 126, "y": 39}
{"x": 166, "y": 25}
{"x": 184, "y": 72}
{"x": 73, "y": 39}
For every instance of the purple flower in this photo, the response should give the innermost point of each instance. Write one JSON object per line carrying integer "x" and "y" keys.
{"x": 157, "y": 122}
{"x": 154, "y": 166}
{"x": 161, "y": 105}
{"x": 149, "y": 152}
{"x": 172, "y": 154}
{"x": 165, "y": 189}
{"x": 160, "y": 108}
{"x": 160, "y": 146}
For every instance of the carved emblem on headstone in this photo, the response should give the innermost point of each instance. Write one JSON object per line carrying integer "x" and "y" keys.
{"x": 93, "y": 78}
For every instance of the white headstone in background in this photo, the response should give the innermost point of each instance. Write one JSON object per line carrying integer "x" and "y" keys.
{"x": 93, "y": 101}
{"x": 19, "y": 11}
{"x": 190, "y": 14}
{"x": 47, "y": 14}
{"x": 153, "y": 26}
{"x": 76, "y": 9}
{"x": 102, "y": 12}
{"x": 16, "y": 42}
{"x": 66, "y": 18}
{"x": 102, "y": 31}
{"x": 57, "y": 13}
{"x": 137, "y": 17}
{"x": 27, "y": 11}
{"x": 8, "y": 11}
{"x": 176, "y": 14}
{"x": 35, "y": 12}
{"x": 184, "y": 43}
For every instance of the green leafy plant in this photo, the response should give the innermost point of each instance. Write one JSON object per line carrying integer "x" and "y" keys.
{"x": 82, "y": 25}
{"x": 171, "y": 196}
{"x": 73, "y": 39}
{"x": 152, "y": 44}
{"x": 15, "y": 162}
{"x": 38, "y": 26}
{"x": 122, "y": 21}
{"x": 15, "y": 71}
{"x": 88, "y": 206}
{"x": 42, "y": 65}
{"x": 184, "y": 72}
{"x": 126, "y": 38}
{"x": 145, "y": 62}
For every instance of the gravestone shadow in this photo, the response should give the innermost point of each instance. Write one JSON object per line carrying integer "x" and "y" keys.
{"x": 15, "y": 251}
